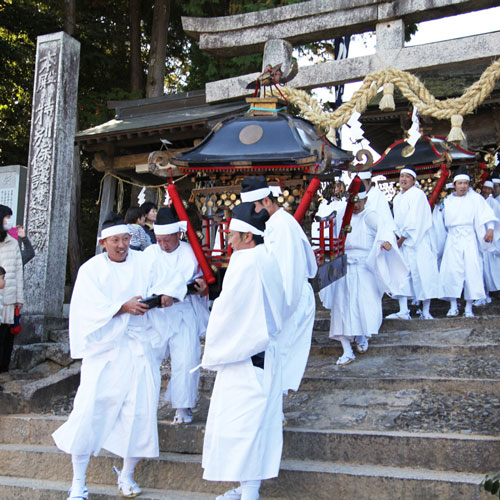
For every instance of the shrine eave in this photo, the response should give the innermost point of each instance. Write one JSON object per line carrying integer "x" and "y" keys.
{"x": 152, "y": 123}
{"x": 428, "y": 151}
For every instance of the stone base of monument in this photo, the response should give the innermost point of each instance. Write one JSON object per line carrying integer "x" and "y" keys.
{"x": 40, "y": 374}
{"x": 36, "y": 327}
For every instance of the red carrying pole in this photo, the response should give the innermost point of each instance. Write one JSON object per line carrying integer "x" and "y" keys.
{"x": 439, "y": 185}
{"x": 306, "y": 199}
{"x": 191, "y": 234}
{"x": 484, "y": 173}
{"x": 346, "y": 220}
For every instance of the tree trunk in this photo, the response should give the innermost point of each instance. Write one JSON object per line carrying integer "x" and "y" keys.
{"x": 69, "y": 16}
{"x": 74, "y": 243}
{"x": 158, "y": 49}
{"x": 134, "y": 14}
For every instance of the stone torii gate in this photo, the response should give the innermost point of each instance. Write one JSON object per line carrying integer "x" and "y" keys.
{"x": 324, "y": 19}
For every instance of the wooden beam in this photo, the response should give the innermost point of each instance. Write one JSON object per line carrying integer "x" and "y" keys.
{"x": 107, "y": 201}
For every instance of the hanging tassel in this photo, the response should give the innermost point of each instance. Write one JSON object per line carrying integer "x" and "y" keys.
{"x": 332, "y": 136}
{"x": 387, "y": 101}
{"x": 456, "y": 134}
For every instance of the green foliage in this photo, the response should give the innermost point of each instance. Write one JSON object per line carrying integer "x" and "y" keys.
{"x": 204, "y": 68}
{"x": 491, "y": 483}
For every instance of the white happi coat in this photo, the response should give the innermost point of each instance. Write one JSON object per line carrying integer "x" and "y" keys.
{"x": 243, "y": 435}
{"x": 183, "y": 324}
{"x": 491, "y": 259}
{"x": 286, "y": 240}
{"x": 466, "y": 219}
{"x": 413, "y": 219}
{"x": 356, "y": 299}
{"x": 116, "y": 404}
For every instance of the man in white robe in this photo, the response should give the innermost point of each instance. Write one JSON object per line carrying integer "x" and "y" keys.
{"x": 470, "y": 224}
{"x": 377, "y": 201}
{"x": 373, "y": 267}
{"x": 120, "y": 342}
{"x": 286, "y": 240}
{"x": 413, "y": 219}
{"x": 491, "y": 259}
{"x": 496, "y": 185}
{"x": 185, "y": 321}
{"x": 244, "y": 436}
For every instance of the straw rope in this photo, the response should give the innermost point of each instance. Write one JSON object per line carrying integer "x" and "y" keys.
{"x": 411, "y": 88}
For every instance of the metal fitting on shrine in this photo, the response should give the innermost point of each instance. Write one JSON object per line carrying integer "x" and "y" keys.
{"x": 456, "y": 135}
{"x": 387, "y": 101}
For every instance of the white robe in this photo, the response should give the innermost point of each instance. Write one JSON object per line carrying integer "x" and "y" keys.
{"x": 286, "y": 240}
{"x": 438, "y": 232}
{"x": 466, "y": 219}
{"x": 183, "y": 324}
{"x": 243, "y": 434}
{"x": 377, "y": 202}
{"x": 491, "y": 260}
{"x": 116, "y": 404}
{"x": 356, "y": 299}
{"x": 413, "y": 219}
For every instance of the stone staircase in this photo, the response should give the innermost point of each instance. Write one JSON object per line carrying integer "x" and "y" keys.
{"x": 416, "y": 417}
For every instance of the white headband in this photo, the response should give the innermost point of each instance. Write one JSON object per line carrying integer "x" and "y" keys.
{"x": 496, "y": 180}
{"x": 488, "y": 184}
{"x": 365, "y": 175}
{"x": 362, "y": 195}
{"x": 113, "y": 231}
{"x": 461, "y": 177}
{"x": 275, "y": 191}
{"x": 409, "y": 172}
{"x": 162, "y": 229}
{"x": 255, "y": 195}
{"x": 244, "y": 227}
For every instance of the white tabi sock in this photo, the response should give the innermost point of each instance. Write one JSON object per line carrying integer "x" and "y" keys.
{"x": 426, "y": 305}
{"x": 127, "y": 471}
{"x": 80, "y": 463}
{"x": 468, "y": 306}
{"x": 346, "y": 344}
{"x": 403, "y": 305}
{"x": 453, "y": 304}
{"x": 250, "y": 490}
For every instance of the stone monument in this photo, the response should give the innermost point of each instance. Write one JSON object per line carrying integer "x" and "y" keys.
{"x": 50, "y": 167}
{"x": 13, "y": 190}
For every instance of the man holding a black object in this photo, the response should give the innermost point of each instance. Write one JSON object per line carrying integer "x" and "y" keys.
{"x": 186, "y": 321}
{"x": 120, "y": 342}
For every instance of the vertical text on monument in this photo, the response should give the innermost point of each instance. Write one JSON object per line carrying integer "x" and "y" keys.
{"x": 42, "y": 137}
{"x": 50, "y": 169}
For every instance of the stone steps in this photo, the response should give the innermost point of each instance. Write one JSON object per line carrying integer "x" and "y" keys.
{"x": 301, "y": 479}
{"x": 482, "y": 319}
{"x": 416, "y": 417}
{"x": 437, "y": 451}
{"x": 21, "y": 488}
{"x": 333, "y": 348}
